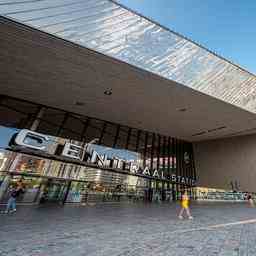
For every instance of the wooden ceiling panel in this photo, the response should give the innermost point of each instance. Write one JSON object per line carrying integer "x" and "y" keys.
{"x": 41, "y": 68}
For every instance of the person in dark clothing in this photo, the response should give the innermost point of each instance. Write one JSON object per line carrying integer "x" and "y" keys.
{"x": 43, "y": 198}
{"x": 15, "y": 192}
{"x": 250, "y": 200}
{"x": 117, "y": 191}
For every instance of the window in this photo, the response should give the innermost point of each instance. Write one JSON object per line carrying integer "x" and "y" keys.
{"x": 16, "y": 113}
{"x": 12, "y": 118}
{"x": 133, "y": 140}
{"x": 51, "y": 122}
{"x": 109, "y": 134}
{"x": 72, "y": 127}
{"x": 93, "y": 132}
{"x": 122, "y": 137}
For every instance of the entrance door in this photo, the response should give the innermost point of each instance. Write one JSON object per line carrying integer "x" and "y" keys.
{"x": 55, "y": 190}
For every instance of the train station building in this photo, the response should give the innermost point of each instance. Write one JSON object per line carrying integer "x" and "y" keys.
{"x": 101, "y": 104}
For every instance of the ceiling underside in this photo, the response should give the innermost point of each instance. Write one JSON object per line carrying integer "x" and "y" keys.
{"x": 111, "y": 29}
{"x": 41, "y": 68}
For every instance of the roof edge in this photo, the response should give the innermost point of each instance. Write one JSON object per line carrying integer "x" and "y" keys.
{"x": 182, "y": 36}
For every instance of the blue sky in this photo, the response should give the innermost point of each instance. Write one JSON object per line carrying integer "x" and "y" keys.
{"x": 225, "y": 27}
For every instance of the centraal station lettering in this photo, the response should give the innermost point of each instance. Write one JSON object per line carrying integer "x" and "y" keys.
{"x": 86, "y": 154}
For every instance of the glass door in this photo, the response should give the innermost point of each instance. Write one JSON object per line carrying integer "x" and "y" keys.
{"x": 55, "y": 190}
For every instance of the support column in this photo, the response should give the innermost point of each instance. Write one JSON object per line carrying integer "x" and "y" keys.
{"x": 37, "y": 119}
{"x": 150, "y": 193}
{"x": 174, "y": 192}
{"x": 66, "y": 193}
{"x": 4, "y": 185}
{"x": 40, "y": 191}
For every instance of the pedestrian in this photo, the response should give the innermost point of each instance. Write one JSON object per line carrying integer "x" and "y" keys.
{"x": 15, "y": 192}
{"x": 185, "y": 206}
{"x": 43, "y": 198}
{"x": 250, "y": 200}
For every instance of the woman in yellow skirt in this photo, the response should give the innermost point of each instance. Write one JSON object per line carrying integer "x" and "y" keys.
{"x": 185, "y": 206}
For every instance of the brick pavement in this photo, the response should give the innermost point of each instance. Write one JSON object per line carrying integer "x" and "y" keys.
{"x": 129, "y": 230}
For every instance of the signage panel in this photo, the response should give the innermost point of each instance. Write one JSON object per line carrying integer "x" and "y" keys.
{"x": 90, "y": 153}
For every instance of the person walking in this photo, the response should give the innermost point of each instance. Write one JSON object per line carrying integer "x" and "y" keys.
{"x": 15, "y": 192}
{"x": 185, "y": 206}
{"x": 250, "y": 200}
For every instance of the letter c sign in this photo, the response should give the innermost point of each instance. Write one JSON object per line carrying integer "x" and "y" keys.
{"x": 31, "y": 139}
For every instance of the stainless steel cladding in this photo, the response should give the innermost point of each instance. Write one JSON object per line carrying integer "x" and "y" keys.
{"x": 108, "y": 28}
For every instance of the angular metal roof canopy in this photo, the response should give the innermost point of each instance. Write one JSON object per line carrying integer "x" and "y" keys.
{"x": 111, "y": 29}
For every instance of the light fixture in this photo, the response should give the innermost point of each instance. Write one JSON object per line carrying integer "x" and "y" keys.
{"x": 209, "y": 131}
{"x": 198, "y": 133}
{"x": 216, "y": 129}
{"x": 108, "y": 92}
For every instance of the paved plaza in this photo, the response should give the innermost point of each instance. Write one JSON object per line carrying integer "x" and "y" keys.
{"x": 129, "y": 230}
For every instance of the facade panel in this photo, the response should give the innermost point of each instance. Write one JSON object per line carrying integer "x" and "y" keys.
{"x": 111, "y": 29}
{"x": 227, "y": 163}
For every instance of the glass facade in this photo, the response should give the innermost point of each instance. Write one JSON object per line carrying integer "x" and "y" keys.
{"x": 133, "y": 164}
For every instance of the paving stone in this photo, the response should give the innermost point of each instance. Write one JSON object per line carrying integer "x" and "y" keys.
{"x": 129, "y": 230}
